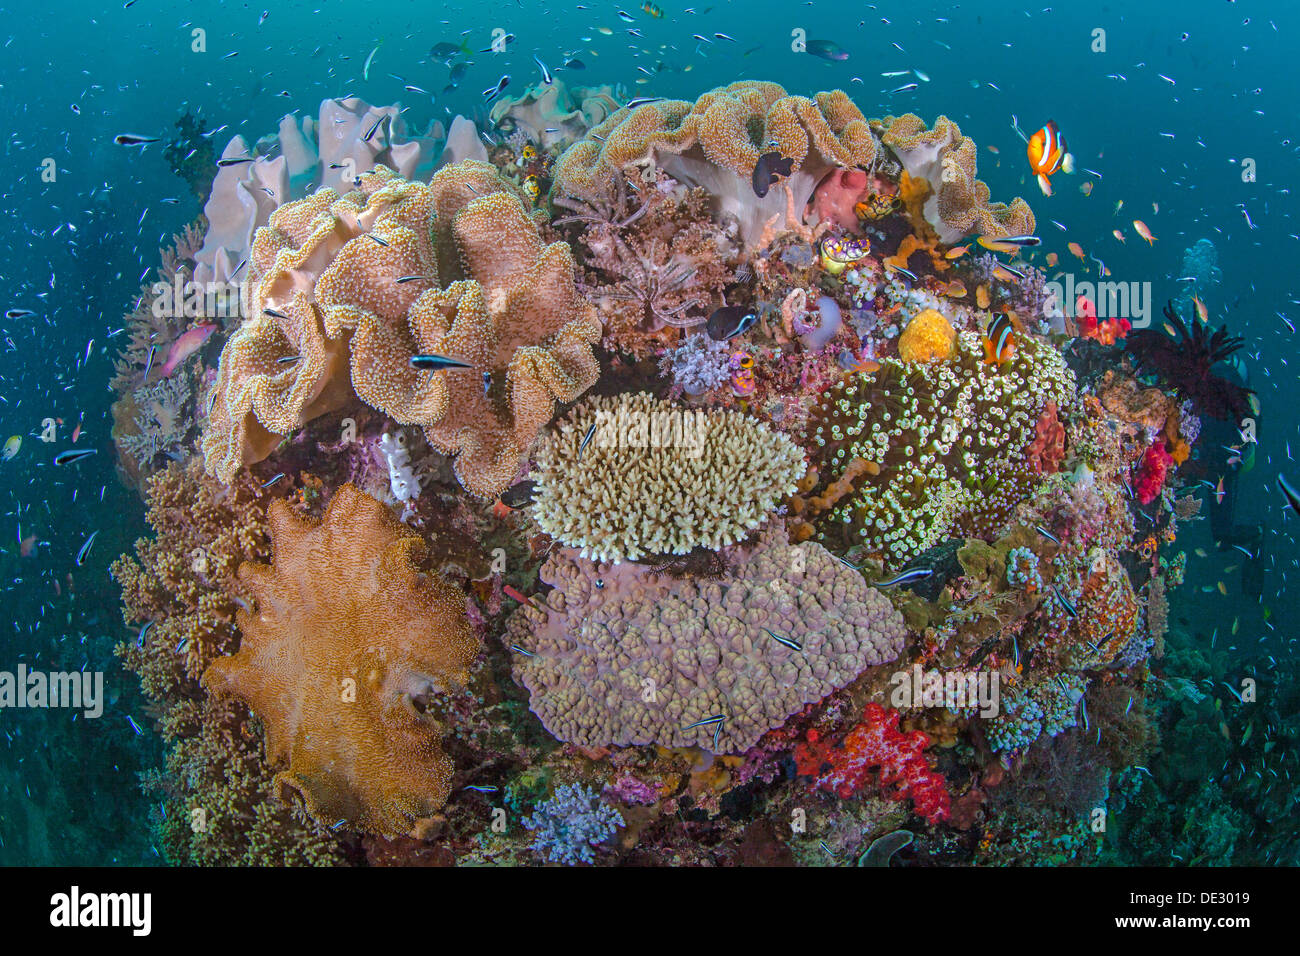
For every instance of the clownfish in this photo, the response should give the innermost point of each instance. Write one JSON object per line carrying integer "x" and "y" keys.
{"x": 1047, "y": 154}
{"x": 999, "y": 340}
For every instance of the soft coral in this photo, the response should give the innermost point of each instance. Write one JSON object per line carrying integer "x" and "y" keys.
{"x": 844, "y": 767}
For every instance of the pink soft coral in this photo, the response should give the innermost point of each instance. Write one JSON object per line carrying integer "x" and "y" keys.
{"x": 1047, "y": 450}
{"x": 844, "y": 767}
{"x": 1152, "y": 471}
{"x": 836, "y": 196}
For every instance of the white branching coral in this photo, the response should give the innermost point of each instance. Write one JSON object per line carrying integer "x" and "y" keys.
{"x": 624, "y": 477}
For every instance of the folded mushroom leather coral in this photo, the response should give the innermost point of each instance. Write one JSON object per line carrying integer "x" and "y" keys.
{"x": 345, "y": 658}
{"x": 716, "y": 142}
{"x": 958, "y": 203}
{"x": 656, "y": 478}
{"x": 323, "y": 285}
{"x": 707, "y": 647}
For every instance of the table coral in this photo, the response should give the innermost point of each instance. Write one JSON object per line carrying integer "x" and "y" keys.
{"x": 657, "y": 478}
{"x": 323, "y": 289}
{"x": 844, "y": 766}
{"x": 345, "y": 658}
{"x": 620, "y": 655}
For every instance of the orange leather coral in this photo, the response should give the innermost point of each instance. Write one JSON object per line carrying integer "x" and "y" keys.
{"x": 344, "y": 658}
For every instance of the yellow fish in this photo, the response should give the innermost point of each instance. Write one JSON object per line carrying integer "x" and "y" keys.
{"x": 1052, "y": 259}
{"x": 1141, "y": 228}
{"x": 604, "y": 30}
{"x": 994, "y": 246}
{"x": 1201, "y": 553}
{"x": 1202, "y": 312}
{"x": 1118, "y": 206}
{"x": 1223, "y": 589}
{"x": 12, "y": 447}
{"x": 1235, "y": 622}
{"x": 956, "y": 289}
{"x": 956, "y": 252}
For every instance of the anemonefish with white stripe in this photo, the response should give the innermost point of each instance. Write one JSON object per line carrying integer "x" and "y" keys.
{"x": 1047, "y": 154}
{"x": 999, "y": 340}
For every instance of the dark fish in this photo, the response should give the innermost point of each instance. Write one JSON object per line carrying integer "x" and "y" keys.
{"x": 73, "y": 455}
{"x": 547, "y": 79}
{"x": 574, "y": 65}
{"x": 1021, "y": 240}
{"x": 274, "y": 314}
{"x": 766, "y": 170}
{"x": 586, "y": 440}
{"x": 1047, "y": 534}
{"x": 85, "y": 548}
{"x": 1069, "y": 608}
{"x": 19, "y": 313}
{"x": 626, "y": 17}
{"x": 148, "y": 365}
{"x": 1292, "y": 498}
{"x": 826, "y": 50}
{"x": 792, "y": 644}
{"x": 444, "y": 50}
{"x": 139, "y": 641}
{"x": 642, "y": 101}
{"x": 134, "y": 139}
{"x": 905, "y": 272}
{"x": 370, "y": 133}
{"x": 493, "y": 92}
{"x": 907, "y": 577}
{"x": 520, "y": 494}
{"x": 436, "y": 363}
{"x": 234, "y": 161}
{"x": 729, "y": 321}
{"x": 905, "y": 88}
{"x": 458, "y": 73}
{"x": 414, "y": 278}
{"x": 715, "y": 719}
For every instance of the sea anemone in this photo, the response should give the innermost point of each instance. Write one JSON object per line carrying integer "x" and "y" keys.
{"x": 1186, "y": 358}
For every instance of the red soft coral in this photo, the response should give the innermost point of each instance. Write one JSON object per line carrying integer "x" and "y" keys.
{"x": 1152, "y": 471}
{"x": 845, "y": 767}
{"x": 1047, "y": 450}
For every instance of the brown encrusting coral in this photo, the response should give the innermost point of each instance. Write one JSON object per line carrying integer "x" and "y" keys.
{"x": 346, "y": 657}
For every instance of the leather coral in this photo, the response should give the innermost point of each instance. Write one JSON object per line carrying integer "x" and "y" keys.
{"x": 346, "y": 657}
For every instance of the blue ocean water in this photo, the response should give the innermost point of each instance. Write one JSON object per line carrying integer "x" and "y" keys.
{"x": 1165, "y": 101}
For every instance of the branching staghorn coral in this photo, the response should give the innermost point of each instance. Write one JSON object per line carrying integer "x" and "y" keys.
{"x": 659, "y": 479}
{"x": 622, "y": 655}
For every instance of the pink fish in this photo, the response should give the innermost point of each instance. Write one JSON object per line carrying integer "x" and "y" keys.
{"x": 27, "y": 546}
{"x": 185, "y": 346}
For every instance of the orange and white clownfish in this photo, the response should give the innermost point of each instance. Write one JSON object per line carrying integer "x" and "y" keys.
{"x": 999, "y": 340}
{"x": 1047, "y": 154}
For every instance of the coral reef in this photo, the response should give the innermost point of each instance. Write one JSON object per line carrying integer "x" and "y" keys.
{"x": 621, "y": 655}
{"x": 344, "y": 658}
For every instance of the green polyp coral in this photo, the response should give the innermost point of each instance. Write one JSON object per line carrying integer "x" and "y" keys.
{"x": 949, "y": 439}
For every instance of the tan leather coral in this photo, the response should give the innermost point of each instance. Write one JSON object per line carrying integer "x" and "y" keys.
{"x": 347, "y": 657}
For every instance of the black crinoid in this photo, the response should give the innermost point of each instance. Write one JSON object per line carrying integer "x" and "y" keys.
{"x": 1185, "y": 360}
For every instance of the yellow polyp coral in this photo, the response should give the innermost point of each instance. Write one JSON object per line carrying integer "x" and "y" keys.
{"x": 454, "y": 267}
{"x": 346, "y": 659}
{"x": 929, "y": 337}
{"x": 958, "y": 203}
